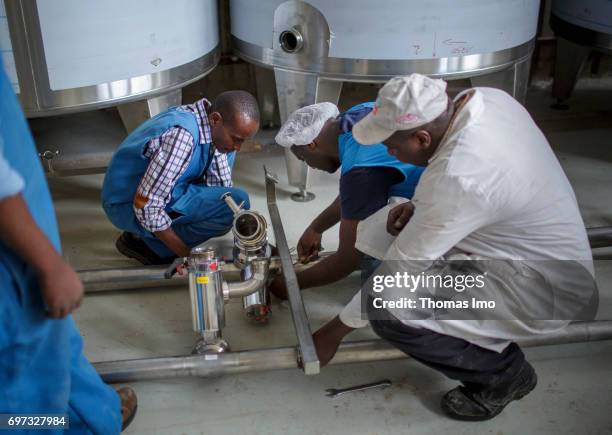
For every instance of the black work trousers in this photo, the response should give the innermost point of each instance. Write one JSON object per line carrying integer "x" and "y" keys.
{"x": 474, "y": 366}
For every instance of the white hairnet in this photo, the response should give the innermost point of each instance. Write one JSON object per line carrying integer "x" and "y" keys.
{"x": 304, "y": 125}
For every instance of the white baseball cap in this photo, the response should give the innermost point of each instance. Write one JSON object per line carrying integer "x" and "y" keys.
{"x": 305, "y": 124}
{"x": 403, "y": 103}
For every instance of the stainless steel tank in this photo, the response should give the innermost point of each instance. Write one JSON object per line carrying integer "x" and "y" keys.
{"x": 73, "y": 55}
{"x": 581, "y": 27}
{"x": 314, "y": 46}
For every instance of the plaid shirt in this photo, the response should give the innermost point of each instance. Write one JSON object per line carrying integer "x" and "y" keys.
{"x": 169, "y": 155}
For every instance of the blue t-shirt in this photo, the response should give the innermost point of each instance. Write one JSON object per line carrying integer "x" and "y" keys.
{"x": 364, "y": 190}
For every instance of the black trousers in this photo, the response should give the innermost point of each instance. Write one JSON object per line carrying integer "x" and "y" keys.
{"x": 476, "y": 367}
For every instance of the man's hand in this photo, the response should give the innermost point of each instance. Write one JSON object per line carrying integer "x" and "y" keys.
{"x": 328, "y": 338}
{"x": 278, "y": 288}
{"x": 309, "y": 246}
{"x": 398, "y": 217}
{"x": 61, "y": 288}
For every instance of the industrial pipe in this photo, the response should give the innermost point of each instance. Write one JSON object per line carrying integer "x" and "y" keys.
{"x": 251, "y": 285}
{"x": 287, "y": 357}
{"x": 99, "y": 280}
{"x": 96, "y": 280}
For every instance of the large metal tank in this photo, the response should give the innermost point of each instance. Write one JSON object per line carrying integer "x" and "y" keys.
{"x": 314, "y": 46}
{"x": 581, "y": 27}
{"x": 73, "y": 55}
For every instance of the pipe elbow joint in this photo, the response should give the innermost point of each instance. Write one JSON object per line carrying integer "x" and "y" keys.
{"x": 250, "y": 286}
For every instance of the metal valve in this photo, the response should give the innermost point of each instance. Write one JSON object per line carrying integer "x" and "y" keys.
{"x": 46, "y": 156}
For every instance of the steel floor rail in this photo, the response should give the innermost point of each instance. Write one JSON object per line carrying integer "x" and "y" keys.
{"x": 287, "y": 357}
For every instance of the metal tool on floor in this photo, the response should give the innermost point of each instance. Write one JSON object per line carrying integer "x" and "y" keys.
{"x": 335, "y": 392}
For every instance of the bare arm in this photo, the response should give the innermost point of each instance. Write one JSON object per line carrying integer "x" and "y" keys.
{"x": 328, "y": 338}
{"x": 309, "y": 244}
{"x": 173, "y": 242}
{"x": 328, "y": 217}
{"x": 338, "y": 265}
{"x": 62, "y": 290}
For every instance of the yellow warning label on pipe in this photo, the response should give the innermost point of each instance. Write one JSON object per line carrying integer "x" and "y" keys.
{"x": 202, "y": 280}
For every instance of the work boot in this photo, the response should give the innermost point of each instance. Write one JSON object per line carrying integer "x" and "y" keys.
{"x": 462, "y": 403}
{"x": 129, "y": 405}
{"x": 134, "y": 247}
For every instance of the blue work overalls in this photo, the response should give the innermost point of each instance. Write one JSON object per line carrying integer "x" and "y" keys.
{"x": 42, "y": 366}
{"x": 199, "y": 210}
{"x": 354, "y": 155}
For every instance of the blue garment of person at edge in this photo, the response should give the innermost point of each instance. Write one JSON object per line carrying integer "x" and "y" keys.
{"x": 369, "y": 174}
{"x": 199, "y": 211}
{"x": 42, "y": 366}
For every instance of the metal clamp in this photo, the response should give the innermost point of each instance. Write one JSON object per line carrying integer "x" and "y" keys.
{"x": 173, "y": 268}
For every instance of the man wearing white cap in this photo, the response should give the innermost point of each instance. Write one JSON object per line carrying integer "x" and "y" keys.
{"x": 320, "y": 136}
{"x": 493, "y": 193}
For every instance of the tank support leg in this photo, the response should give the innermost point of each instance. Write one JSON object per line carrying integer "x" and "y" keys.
{"x": 295, "y": 90}
{"x": 513, "y": 80}
{"x": 136, "y": 112}
{"x": 266, "y": 96}
{"x": 569, "y": 62}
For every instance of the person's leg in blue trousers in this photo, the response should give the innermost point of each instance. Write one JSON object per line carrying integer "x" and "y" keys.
{"x": 42, "y": 366}
{"x": 202, "y": 215}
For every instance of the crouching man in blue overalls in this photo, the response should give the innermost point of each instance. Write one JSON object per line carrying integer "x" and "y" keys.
{"x": 164, "y": 184}
{"x": 369, "y": 178}
{"x": 42, "y": 366}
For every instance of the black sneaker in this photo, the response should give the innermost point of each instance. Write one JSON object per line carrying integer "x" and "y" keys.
{"x": 133, "y": 247}
{"x": 463, "y": 404}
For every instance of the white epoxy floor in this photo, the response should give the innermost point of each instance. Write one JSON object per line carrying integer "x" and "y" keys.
{"x": 574, "y": 394}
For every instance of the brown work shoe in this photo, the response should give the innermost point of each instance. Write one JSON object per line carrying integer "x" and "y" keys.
{"x": 134, "y": 247}
{"x": 129, "y": 405}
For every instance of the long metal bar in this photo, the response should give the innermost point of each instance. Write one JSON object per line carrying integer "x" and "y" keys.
{"x": 100, "y": 280}
{"x": 97, "y": 280}
{"x": 287, "y": 357}
{"x": 307, "y": 352}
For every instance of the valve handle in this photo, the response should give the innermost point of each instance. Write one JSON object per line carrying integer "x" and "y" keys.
{"x": 173, "y": 268}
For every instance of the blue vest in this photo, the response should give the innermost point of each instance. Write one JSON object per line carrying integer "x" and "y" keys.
{"x": 354, "y": 155}
{"x": 20, "y": 152}
{"x": 128, "y": 164}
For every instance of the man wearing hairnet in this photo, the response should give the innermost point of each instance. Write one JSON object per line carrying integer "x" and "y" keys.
{"x": 321, "y": 137}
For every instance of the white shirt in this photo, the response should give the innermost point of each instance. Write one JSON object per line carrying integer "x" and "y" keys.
{"x": 493, "y": 188}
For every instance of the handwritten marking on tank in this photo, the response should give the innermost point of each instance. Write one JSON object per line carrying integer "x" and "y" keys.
{"x": 434, "y": 45}
{"x": 450, "y": 41}
{"x": 461, "y": 51}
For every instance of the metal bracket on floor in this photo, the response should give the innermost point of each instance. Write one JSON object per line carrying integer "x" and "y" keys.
{"x": 306, "y": 351}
